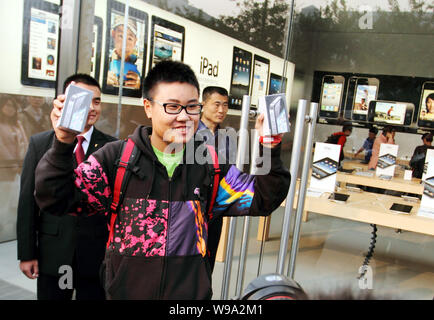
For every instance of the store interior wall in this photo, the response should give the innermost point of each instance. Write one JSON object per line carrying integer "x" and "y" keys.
{"x": 366, "y": 52}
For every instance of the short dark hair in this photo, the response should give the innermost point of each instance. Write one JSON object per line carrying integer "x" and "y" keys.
{"x": 81, "y": 78}
{"x": 347, "y": 127}
{"x": 208, "y": 91}
{"x": 168, "y": 71}
{"x": 428, "y": 136}
{"x": 373, "y": 130}
{"x": 388, "y": 129}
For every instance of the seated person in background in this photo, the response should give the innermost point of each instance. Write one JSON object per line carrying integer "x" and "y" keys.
{"x": 417, "y": 161}
{"x": 388, "y": 136}
{"x": 368, "y": 144}
{"x": 340, "y": 138}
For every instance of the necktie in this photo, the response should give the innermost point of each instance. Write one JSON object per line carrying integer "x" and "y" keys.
{"x": 79, "y": 152}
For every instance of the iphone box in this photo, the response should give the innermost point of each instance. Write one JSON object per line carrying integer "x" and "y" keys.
{"x": 276, "y": 118}
{"x": 75, "y": 109}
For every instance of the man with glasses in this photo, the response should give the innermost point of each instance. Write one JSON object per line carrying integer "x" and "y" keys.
{"x": 158, "y": 247}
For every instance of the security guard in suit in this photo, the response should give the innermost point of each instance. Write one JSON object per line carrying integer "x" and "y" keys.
{"x": 50, "y": 246}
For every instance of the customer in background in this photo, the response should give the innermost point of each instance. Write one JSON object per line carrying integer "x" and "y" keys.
{"x": 388, "y": 136}
{"x": 417, "y": 161}
{"x": 215, "y": 102}
{"x": 341, "y": 138}
{"x": 368, "y": 144}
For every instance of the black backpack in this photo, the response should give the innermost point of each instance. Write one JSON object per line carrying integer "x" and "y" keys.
{"x": 333, "y": 139}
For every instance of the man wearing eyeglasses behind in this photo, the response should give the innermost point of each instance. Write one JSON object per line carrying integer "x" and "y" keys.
{"x": 158, "y": 249}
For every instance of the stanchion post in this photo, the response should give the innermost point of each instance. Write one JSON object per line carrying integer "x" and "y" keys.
{"x": 245, "y": 236}
{"x": 242, "y": 144}
{"x": 303, "y": 186}
{"x": 295, "y": 159}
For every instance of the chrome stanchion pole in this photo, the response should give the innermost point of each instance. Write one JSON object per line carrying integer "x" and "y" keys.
{"x": 121, "y": 77}
{"x": 241, "y": 154}
{"x": 303, "y": 187}
{"x": 245, "y": 237}
{"x": 295, "y": 159}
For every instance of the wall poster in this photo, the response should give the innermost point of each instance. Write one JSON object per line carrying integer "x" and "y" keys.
{"x": 40, "y": 43}
{"x": 135, "y": 50}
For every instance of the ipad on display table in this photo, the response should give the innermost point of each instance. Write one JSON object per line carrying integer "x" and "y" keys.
{"x": 324, "y": 168}
{"x": 339, "y": 197}
{"x": 429, "y": 187}
{"x": 401, "y": 208}
{"x": 386, "y": 160}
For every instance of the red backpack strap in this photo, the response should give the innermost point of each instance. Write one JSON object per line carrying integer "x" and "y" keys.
{"x": 215, "y": 186}
{"x": 117, "y": 188}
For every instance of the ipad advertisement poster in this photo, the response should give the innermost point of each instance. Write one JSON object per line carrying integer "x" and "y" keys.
{"x": 325, "y": 166}
{"x": 429, "y": 155}
{"x": 427, "y": 203}
{"x": 387, "y": 160}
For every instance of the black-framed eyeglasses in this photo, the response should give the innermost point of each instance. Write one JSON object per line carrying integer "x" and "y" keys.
{"x": 176, "y": 108}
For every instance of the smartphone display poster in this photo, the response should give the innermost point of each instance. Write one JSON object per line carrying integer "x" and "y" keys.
{"x": 387, "y": 160}
{"x": 277, "y": 84}
{"x": 240, "y": 83}
{"x": 364, "y": 94}
{"x": 167, "y": 41}
{"x": 426, "y": 106}
{"x": 324, "y": 167}
{"x": 40, "y": 44}
{"x": 427, "y": 202}
{"x": 331, "y": 96}
{"x": 390, "y": 112}
{"x": 261, "y": 69}
{"x": 134, "y": 66}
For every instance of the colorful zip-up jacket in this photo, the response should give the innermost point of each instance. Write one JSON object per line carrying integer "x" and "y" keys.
{"x": 158, "y": 249}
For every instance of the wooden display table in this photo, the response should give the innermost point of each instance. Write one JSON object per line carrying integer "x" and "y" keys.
{"x": 364, "y": 207}
{"x": 397, "y": 183}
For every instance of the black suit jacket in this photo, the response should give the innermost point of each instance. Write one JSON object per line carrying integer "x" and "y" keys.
{"x": 53, "y": 240}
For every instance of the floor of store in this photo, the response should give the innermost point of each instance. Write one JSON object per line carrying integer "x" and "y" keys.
{"x": 330, "y": 254}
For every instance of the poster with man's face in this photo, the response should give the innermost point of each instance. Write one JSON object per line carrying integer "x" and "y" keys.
{"x": 135, "y": 50}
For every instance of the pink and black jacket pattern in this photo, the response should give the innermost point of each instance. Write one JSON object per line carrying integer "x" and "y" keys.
{"x": 159, "y": 245}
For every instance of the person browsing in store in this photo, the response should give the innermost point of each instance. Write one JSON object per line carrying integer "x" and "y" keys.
{"x": 368, "y": 144}
{"x": 387, "y": 136}
{"x": 417, "y": 161}
{"x": 340, "y": 138}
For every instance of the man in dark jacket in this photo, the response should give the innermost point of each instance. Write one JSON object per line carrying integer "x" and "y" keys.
{"x": 417, "y": 161}
{"x": 157, "y": 247}
{"x": 215, "y": 107}
{"x": 47, "y": 242}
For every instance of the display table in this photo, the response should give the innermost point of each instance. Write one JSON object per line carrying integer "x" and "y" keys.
{"x": 364, "y": 207}
{"x": 397, "y": 183}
